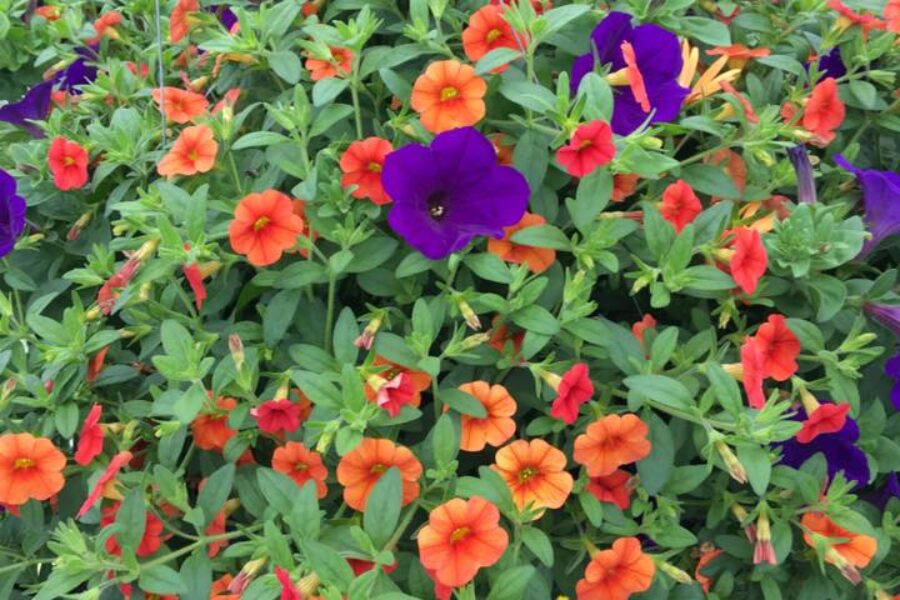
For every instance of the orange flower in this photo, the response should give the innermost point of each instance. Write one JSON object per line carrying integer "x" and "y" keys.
{"x": 535, "y": 474}
{"x": 264, "y": 226}
{"x": 104, "y": 26}
{"x": 624, "y": 185}
{"x": 497, "y": 426}
{"x": 848, "y": 17}
{"x": 180, "y": 105}
{"x": 361, "y": 469}
{"x": 892, "y": 16}
{"x": 339, "y": 65}
{"x": 638, "y": 329}
{"x": 610, "y": 442}
{"x": 738, "y": 54}
{"x": 421, "y": 381}
{"x": 680, "y": 205}
{"x": 617, "y": 573}
{"x": 219, "y": 589}
{"x": 179, "y": 25}
{"x": 488, "y": 30}
{"x": 193, "y": 152}
{"x": 848, "y": 552}
{"x": 614, "y": 488}
{"x": 68, "y": 163}
{"x": 708, "y": 553}
{"x": 462, "y": 536}
{"x": 501, "y": 336}
{"x": 537, "y": 259}
{"x": 51, "y": 13}
{"x": 361, "y": 164}
{"x": 211, "y": 430}
{"x": 504, "y": 151}
{"x": 301, "y": 465}
{"x": 448, "y": 95}
{"x": 825, "y": 111}
{"x": 30, "y": 468}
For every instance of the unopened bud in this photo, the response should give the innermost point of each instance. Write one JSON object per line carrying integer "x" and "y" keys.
{"x": 365, "y": 340}
{"x": 674, "y": 572}
{"x": 550, "y": 378}
{"x": 847, "y": 569}
{"x": 248, "y": 572}
{"x": 308, "y": 585}
{"x": 199, "y": 84}
{"x": 236, "y": 348}
{"x": 732, "y": 464}
{"x": 740, "y": 513}
{"x": 468, "y": 314}
{"x": 651, "y": 143}
{"x": 146, "y": 250}
{"x": 764, "y": 552}
{"x": 810, "y": 404}
{"x": 121, "y": 229}
{"x": 79, "y": 226}
{"x": 208, "y": 268}
{"x": 93, "y": 313}
{"x": 473, "y": 341}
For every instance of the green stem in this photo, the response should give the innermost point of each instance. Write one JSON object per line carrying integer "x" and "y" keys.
{"x": 234, "y": 172}
{"x": 329, "y": 311}
{"x": 354, "y": 92}
{"x": 404, "y": 523}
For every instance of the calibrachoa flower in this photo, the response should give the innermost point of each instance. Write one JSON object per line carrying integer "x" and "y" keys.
{"x": 779, "y": 348}
{"x": 680, "y": 205}
{"x": 488, "y": 30}
{"x": 34, "y": 106}
{"x": 892, "y": 16}
{"x": 806, "y": 185}
{"x": 115, "y": 465}
{"x": 448, "y": 95}
{"x": 738, "y": 54}
{"x": 12, "y": 213}
{"x": 447, "y": 193}
{"x": 839, "y": 449}
{"x": 611, "y": 442}
{"x": 419, "y": 380}
{"x": 848, "y": 18}
{"x": 338, "y": 65}
{"x": 824, "y": 112}
{"x": 848, "y": 551}
{"x": 30, "y": 468}
{"x": 68, "y": 163}
{"x": 535, "y": 474}
{"x": 831, "y": 64}
{"x": 362, "y": 164}
{"x": 264, "y": 226}
{"x": 590, "y": 147}
{"x": 461, "y": 537}
{"x": 360, "y": 469}
{"x": 495, "y": 428}
{"x": 617, "y": 573}
{"x": 624, "y": 185}
{"x": 90, "y": 442}
{"x": 880, "y": 190}
{"x": 105, "y": 27}
{"x": 645, "y": 62}
{"x": 194, "y": 151}
{"x": 150, "y": 542}
{"x": 288, "y": 590}
{"x": 888, "y": 491}
{"x": 302, "y": 465}
{"x": 180, "y": 19}
{"x": 749, "y": 259}
{"x": 614, "y": 488}
{"x": 194, "y": 277}
{"x": 536, "y": 259}
{"x": 275, "y": 416}
{"x": 638, "y": 329}
{"x": 181, "y": 106}
{"x": 573, "y": 389}
{"x": 210, "y": 428}
{"x": 393, "y": 394}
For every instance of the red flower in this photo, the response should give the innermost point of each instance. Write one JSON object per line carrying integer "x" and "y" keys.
{"x": 753, "y": 365}
{"x": 96, "y": 365}
{"x": 614, "y": 488}
{"x": 363, "y": 566}
{"x": 828, "y": 418}
{"x": 393, "y": 394}
{"x": 150, "y": 542}
{"x": 638, "y": 329}
{"x": 749, "y": 262}
{"x": 487, "y": 31}
{"x": 778, "y": 347}
{"x": 824, "y": 112}
{"x": 591, "y": 146}
{"x": 195, "y": 280}
{"x": 680, "y": 205}
{"x": 112, "y": 469}
{"x": 574, "y": 389}
{"x": 361, "y": 164}
{"x": 865, "y": 22}
{"x": 277, "y": 415}
{"x": 90, "y": 442}
{"x": 109, "y": 292}
{"x": 288, "y": 591}
{"x": 68, "y": 163}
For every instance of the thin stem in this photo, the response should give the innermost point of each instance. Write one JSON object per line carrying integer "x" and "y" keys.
{"x": 354, "y": 92}
{"x": 234, "y": 173}
{"x": 329, "y": 311}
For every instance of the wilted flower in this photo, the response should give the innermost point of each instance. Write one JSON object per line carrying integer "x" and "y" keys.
{"x": 886, "y": 314}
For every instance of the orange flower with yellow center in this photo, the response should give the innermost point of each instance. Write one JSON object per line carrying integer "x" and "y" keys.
{"x": 193, "y": 152}
{"x": 448, "y": 95}
{"x": 360, "y": 469}
{"x": 617, "y": 573}
{"x": 30, "y": 468}
{"x": 535, "y": 474}
{"x": 302, "y": 465}
{"x": 493, "y": 429}
{"x": 610, "y": 442}
{"x": 537, "y": 259}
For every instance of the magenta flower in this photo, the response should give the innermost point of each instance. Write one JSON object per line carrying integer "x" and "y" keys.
{"x": 12, "y": 213}
{"x": 839, "y": 449}
{"x": 880, "y": 192}
{"x": 447, "y": 193}
{"x": 649, "y": 57}
{"x": 806, "y": 185}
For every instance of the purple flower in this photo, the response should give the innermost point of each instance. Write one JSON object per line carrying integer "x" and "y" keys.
{"x": 79, "y": 71}
{"x": 831, "y": 64}
{"x": 892, "y": 370}
{"x": 226, "y": 17}
{"x": 34, "y": 106}
{"x": 886, "y": 314}
{"x": 839, "y": 449}
{"x": 448, "y": 193}
{"x": 880, "y": 189}
{"x": 12, "y": 213}
{"x": 806, "y": 186}
{"x": 890, "y": 489}
{"x": 658, "y": 58}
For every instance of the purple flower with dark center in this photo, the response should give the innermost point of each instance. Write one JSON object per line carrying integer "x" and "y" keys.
{"x": 447, "y": 193}
{"x": 806, "y": 185}
{"x": 831, "y": 64}
{"x": 892, "y": 370}
{"x": 12, "y": 213}
{"x": 839, "y": 449}
{"x": 881, "y": 190}
{"x": 644, "y": 64}
{"x": 886, "y": 314}
{"x": 34, "y": 106}
{"x": 890, "y": 489}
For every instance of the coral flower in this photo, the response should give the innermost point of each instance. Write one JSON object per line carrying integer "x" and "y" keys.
{"x": 461, "y": 537}
{"x": 361, "y": 164}
{"x": 90, "y": 442}
{"x": 535, "y": 474}
{"x": 105, "y": 27}
{"x": 739, "y": 54}
{"x": 51, "y": 13}
{"x": 274, "y": 416}
{"x": 590, "y": 147}
{"x": 624, "y": 185}
{"x": 827, "y": 418}
{"x": 360, "y": 469}
{"x": 109, "y": 473}
{"x": 30, "y": 468}
{"x": 779, "y": 348}
{"x": 179, "y": 23}
{"x": 537, "y": 259}
{"x": 487, "y": 31}
{"x": 892, "y": 16}
{"x": 421, "y": 381}
{"x": 264, "y": 226}
{"x": 572, "y": 390}
{"x": 638, "y": 329}
{"x": 302, "y": 465}
{"x": 680, "y": 205}
{"x": 210, "y": 429}
{"x": 151, "y": 540}
{"x": 448, "y": 95}
{"x": 749, "y": 261}
{"x": 193, "y": 152}
{"x": 753, "y": 372}
{"x": 848, "y": 17}
{"x": 194, "y": 277}
{"x": 610, "y": 442}
{"x": 338, "y": 65}
{"x": 68, "y": 163}
{"x": 825, "y": 111}
{"x": 708, "y": 553}
{"x": 617, "y": 573}
{"x": 181, "y": 106}
{"x": 848, "y": 552}
{"x": 493, "y": 429}
{"x": 614, "y": 488}
{"x": 95, "y": 366}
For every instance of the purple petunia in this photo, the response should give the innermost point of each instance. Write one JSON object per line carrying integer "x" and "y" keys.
{"x": 79, "y": 72}
{"x": 447, "y": 193}
{"x": 658, "y": 57}
{"x": 34, "y": 106}
{"x": 12, "y": 213}
{"x": 886, "y": 314}
{"x": 831, "y": 64}
{"x": 892, "y": 370}
{"x": 806, "y": 185}
{"x": 890, "y": 489}
{"x": 839, "y": 449}
{"x": 880, "y": 189}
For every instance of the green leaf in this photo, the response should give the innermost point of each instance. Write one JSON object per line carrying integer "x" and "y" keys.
{"x": 758, "y": 466}
{"x": 706, "y": 30}
{"x": 657, "y": 468}
{"x": 784, "y": 63}
{"x": 328, "y": 564}
{"x": 663, "y": 390}
{"x": 557, "y": 18}
{"x": 512, "y": 583}
{"x": 328, "y": 117}
{"x": 346, "y": 331}
{"x": 529, "y": 95}
{"x": 318, "y": 389}
{"x": 304, "y": 519}
{"x": 598, "y": 97}
{"x": 279, "y": 489}
{"x": 707, "y": 278}
{"x": 542, "y": 236}
{"x": 829, "y": 294}
{"x": 462, "y": 402}
{"x": 725, "y": 388}
{"x": 496, "y": 58}
{"x": 531, "y": 158}
{"x": 215, "y": 492}
{"x": 593, "y": 194}
{"x": 445, "y": 440}
{"x": 539, "y": 544}
{"x": 160, "y": 579}
{"x": 383, "y": 507}
{"x": 710, "y": 180}
{"x": 489, "y": 267}
{"x": 286, "y": 65}
{"x": 279, "y": 315}
{"x": 326, "y": 90}
{"x": 536, "y": 318}
{"x": 255, "y": 139}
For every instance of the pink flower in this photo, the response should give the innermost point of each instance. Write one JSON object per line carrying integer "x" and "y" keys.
{"x": 273, "y": 416}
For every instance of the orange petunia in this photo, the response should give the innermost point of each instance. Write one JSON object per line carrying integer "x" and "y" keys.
{"x": 537, "y": 259}
{"x": 361, "y": 164}
{"x": 181, "y": 106}
{"x": 30, "y": 468}
{"x": 849, "y": 551}
{"x": 617, "y": 573}
{"x": 738, "y": 54}
{"x": 210, "y": 429}
{"x": 487, "y": 31}
{"x": 338, "y": 66}
{"x": 610, "y": 442}
{"x": 420, "y": 380}
{"x": 535, "y": 473}
{"x": 264, "y": 226}
{"x": 193, "y": 152}
{"x": 494, "y": 429}
{"x": 448, "y": 95}
{"x": 824, "y": 112}
{"x": 614, "y": 488}
{"x": 624, "y": 185}
{"x": 360, "y": 469}
{"x": 461, "y": 537}
{"x": 680, "y": 205}
{"x": 302, "y": 465}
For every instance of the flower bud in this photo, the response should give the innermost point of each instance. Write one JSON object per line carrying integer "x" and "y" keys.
{"x": 468, "y": 314}
{"x": 365, "y": 340}
{"x": 79, "y": 225}
{"x": 551, "y": 379}
{"x": 764, "y": 552}
{"x": 847, "y": 569}
{"x": 674, "y": 572}
{"x": 740, "y": 513}
{"x": 248, "y": 572}
{"x": 732, "y": 464}
{"x": 308, "y": 585}
{"x": 236, "y": 348}
{"x": 210, "y": 267}
{"x": 473, "y": 341}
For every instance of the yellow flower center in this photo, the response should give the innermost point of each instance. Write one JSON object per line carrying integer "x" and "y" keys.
{"x": 378, "y": 468}
{"x": 23, "y": 463}
{"x": 449, "y": 93}
{"x": 492, "y": 35}
{"x": 68, "y": 161}
{"x": 301, "y": 467}
{"x": 459, "y": 534}
{"x": 260, "y": 223}
{"x": 527, "y": 473}
{"x": 375, "y": 167}
{"x": 193, "y": 155}
{"x": 585, "y": 144}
